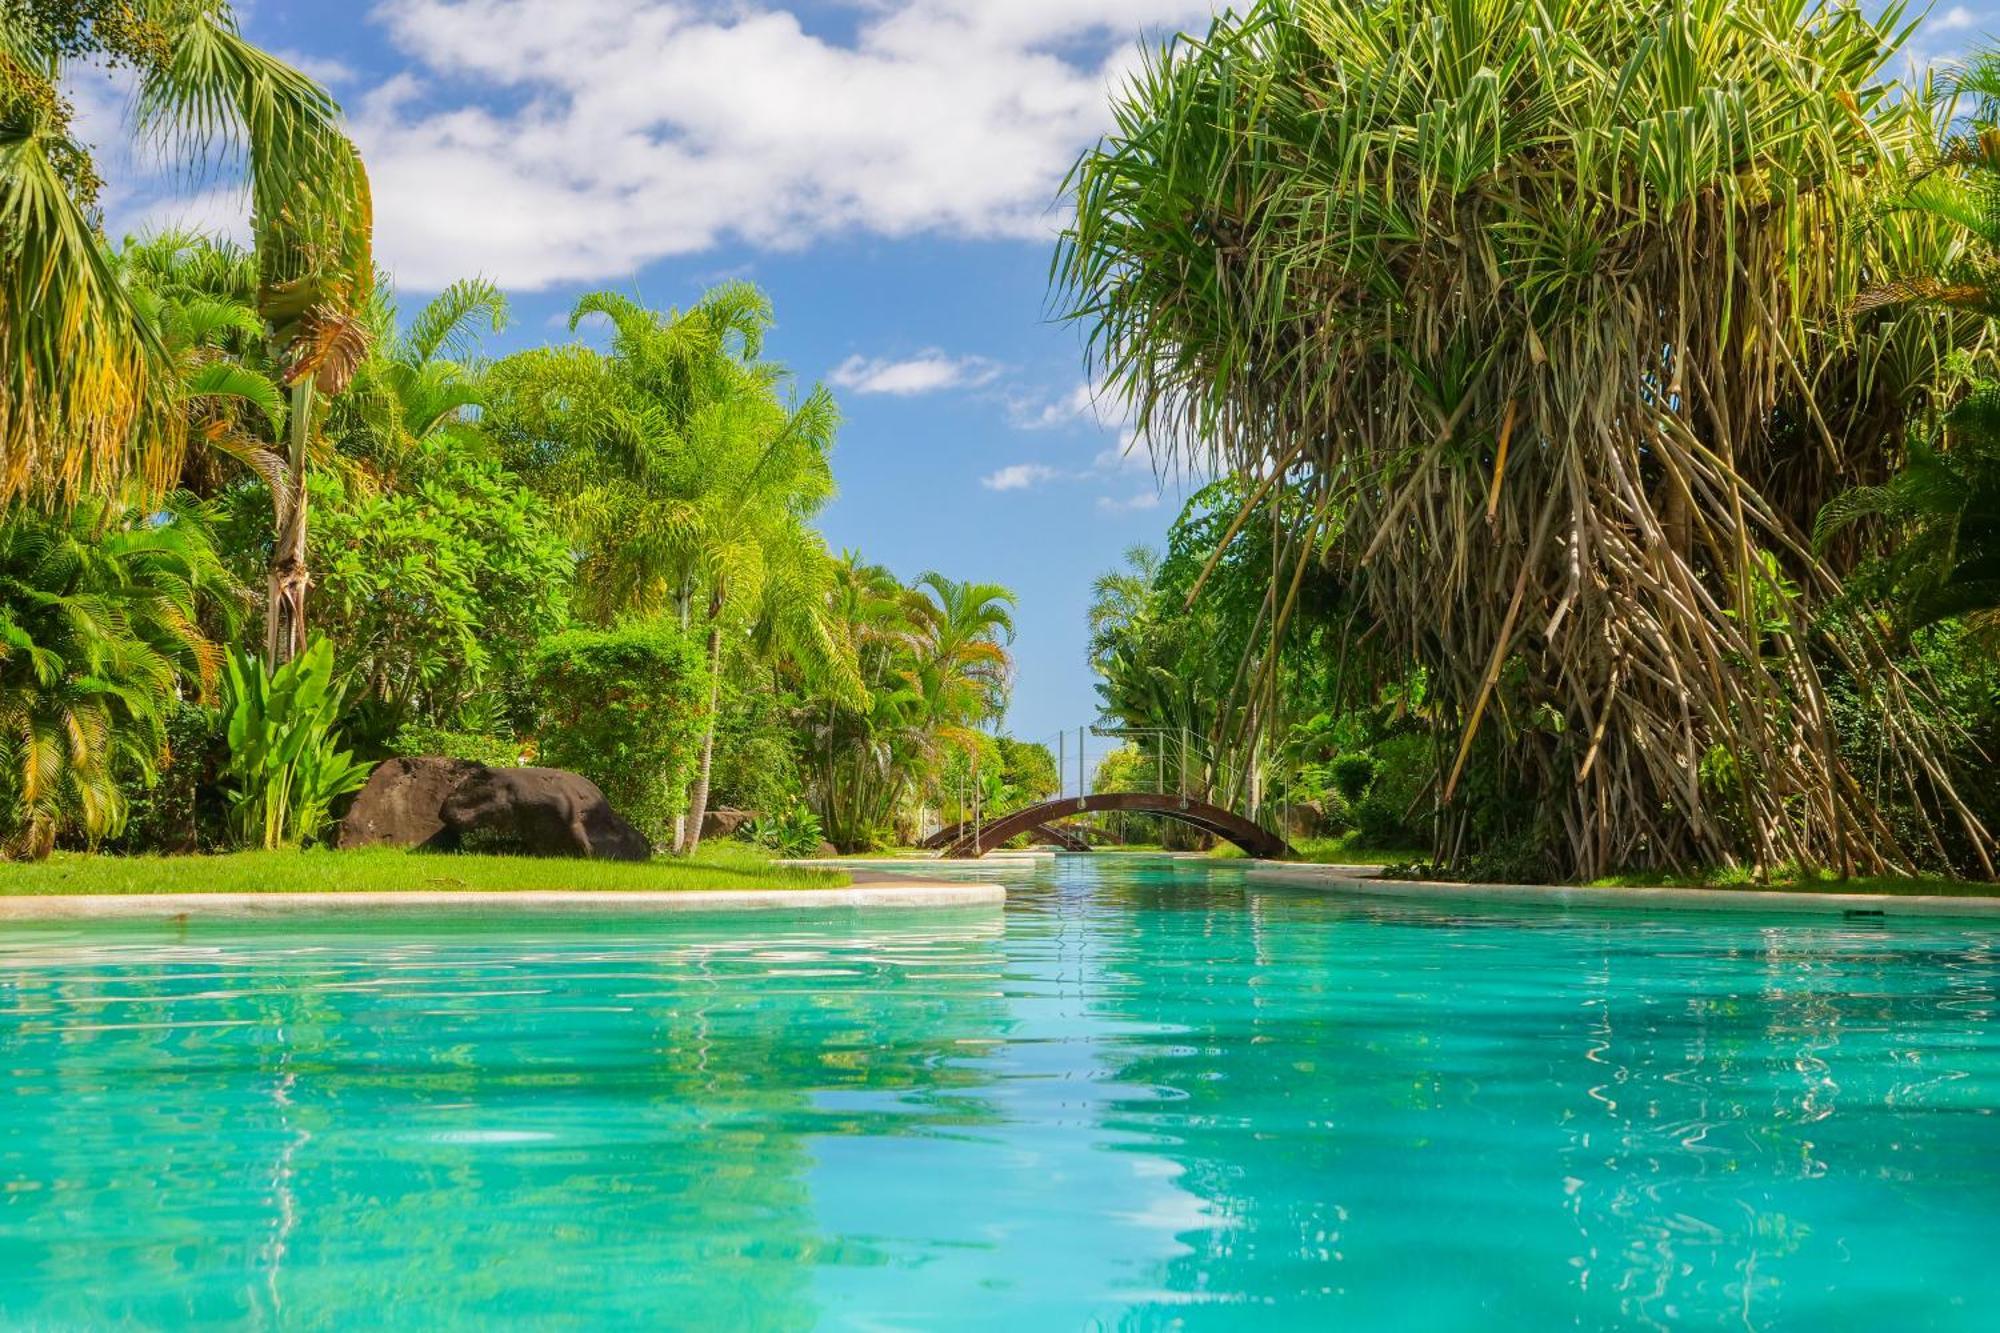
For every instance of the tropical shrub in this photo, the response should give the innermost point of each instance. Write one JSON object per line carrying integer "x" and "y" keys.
{"x": 285, "y": 763}
{"x": 792, "y": 832}
{"x": 756, "y": 767}
{"x": 1394, "y": 811}
{"x": 627, "y": 708}
{"x": 1352, "y": 775}
{"x": 437, "y": 594}
{"x": 100, "y": 614}
{"x": 182, "y": 808}
{"x": 478, "y": 746}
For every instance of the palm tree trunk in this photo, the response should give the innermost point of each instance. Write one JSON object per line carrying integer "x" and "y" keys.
{"x": 285, "y": 607}
{"x": 698, "y": 801}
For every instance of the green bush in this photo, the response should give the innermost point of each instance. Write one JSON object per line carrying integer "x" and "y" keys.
{"x": 480, "y": 748}
{"x": 183, "y": 809}
{"x": 1396, "y": 811}
{"x": 794, "y": 833}
{"x": 625, "y": 707}
{"x": 1352, "y": 775}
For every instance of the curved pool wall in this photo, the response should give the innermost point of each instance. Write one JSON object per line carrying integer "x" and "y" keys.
{"x": 1146, "y": 1095}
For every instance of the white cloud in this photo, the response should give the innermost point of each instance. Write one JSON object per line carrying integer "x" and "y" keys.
{"x": 1019, "y": 477}
{"x": 323, "y": 70}
{"x": 1956, "y": 19}
{"x": 542, "y": 143}
{"x": 1142, "y": 500}
{"x": 927, "y": 372}
{"x": 1078, "y": 405}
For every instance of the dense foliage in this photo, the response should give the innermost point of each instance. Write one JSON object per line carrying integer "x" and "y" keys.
{"x": 1542, "y": 325}
{"x": 626, "y": 708}
{"x": 100, "y": 629}
{"x": 1601, "y": 396}
{"x": 934, "y": 669}
{"x": 602, "y": 559}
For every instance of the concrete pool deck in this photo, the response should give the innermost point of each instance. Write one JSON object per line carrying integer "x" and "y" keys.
{"x": 1365, "y": 881}
{"x": 872, "y": 896}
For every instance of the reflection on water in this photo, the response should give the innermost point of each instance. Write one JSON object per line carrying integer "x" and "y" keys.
{"x": 1145, "y": 1097}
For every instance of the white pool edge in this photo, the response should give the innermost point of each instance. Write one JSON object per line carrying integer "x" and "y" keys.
{"x": 538, "y": 902}
{"x": 1353, "y": 880}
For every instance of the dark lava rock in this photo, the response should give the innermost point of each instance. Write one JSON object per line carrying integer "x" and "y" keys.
{"x": 445, "y": 804}
{"x": 403, "y": 804}
{"x": 543, "y": 812}
{"x": 724, "y": 823}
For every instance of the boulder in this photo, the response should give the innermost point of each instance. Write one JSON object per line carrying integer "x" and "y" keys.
{"x": 403, "y": 804}
{"x": 724, "y": 823}
{"x": 826, "y": 851}
{"x": 543, "y": 812}
{"x": 445, "y": 804}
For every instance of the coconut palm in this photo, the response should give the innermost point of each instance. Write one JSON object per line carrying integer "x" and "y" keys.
{"x": 1536, "y": 305}
{"x": 89, "y": 398}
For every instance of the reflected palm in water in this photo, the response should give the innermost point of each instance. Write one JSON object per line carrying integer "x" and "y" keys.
{"x": 1144, "y": 1095}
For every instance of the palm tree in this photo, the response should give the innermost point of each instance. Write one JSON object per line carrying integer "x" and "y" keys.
{"x": 860, "y": 758}
{"x": 1118, "y": 598}
{"x": 1535, "y": 306}
{"x": 89, "y": 398}
{"x": 197, "y": 296}
{"x": 690, "y": 480}
{"x": 100, "y": 612}
{"x": 967, "y": 670}
{"x": 418, "y": 382}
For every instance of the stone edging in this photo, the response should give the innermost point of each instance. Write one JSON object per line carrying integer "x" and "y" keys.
{"x": 1344, "y": 879}
{"x": 526, "y": 902}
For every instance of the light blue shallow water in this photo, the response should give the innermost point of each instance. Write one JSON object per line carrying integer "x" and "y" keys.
{"x": 1143, "y": 1097}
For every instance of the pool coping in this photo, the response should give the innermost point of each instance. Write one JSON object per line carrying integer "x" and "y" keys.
{"x": 536, "y": 902}
{"x": 1365, "y": 881}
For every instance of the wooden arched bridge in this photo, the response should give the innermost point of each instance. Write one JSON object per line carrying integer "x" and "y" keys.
{"x": 970, "y": 842}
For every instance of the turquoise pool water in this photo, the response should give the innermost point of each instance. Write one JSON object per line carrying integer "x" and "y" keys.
{"x": 1144, "y": 1097}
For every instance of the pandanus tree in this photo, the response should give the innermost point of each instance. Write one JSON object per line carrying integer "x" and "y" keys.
{"x": 1541, "y": 306}
{"x": 89, "y": 398}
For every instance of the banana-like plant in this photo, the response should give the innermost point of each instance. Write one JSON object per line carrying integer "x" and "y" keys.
{"x": 284, "y": 756}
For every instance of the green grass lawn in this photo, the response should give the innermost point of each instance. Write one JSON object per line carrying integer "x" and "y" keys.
{"x": 726, "y": 865}
{"x": 1345, "y": 850}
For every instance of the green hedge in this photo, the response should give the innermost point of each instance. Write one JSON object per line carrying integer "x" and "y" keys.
{"x": 625, "y": 708}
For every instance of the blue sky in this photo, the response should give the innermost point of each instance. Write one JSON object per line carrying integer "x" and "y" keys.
{"x": 885, "y": 169}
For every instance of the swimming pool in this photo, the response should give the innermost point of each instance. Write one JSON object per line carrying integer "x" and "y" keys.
{"x": 1143, "y": 1096}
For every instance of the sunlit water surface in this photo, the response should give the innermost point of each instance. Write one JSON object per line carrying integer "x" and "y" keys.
{"x": 1142, "y": 1097}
